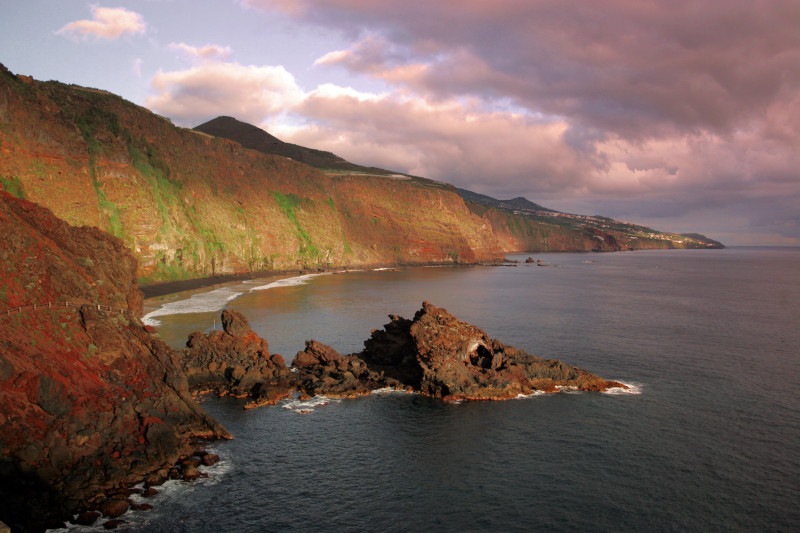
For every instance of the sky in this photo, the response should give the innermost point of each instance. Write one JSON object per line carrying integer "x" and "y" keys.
{"x": 683, "y": 115}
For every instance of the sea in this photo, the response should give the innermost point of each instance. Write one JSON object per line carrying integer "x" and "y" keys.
{"x": 707, "y": 437}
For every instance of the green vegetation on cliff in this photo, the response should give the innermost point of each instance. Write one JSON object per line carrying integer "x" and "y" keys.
{"x": 189, "y": 204}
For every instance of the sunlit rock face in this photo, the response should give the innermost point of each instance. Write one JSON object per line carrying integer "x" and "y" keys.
{"x": 89, "y": 398}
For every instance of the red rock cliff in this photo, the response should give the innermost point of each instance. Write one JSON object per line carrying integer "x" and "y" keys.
{"x": 89, "y": 399}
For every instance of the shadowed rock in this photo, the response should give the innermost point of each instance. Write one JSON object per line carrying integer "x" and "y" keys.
{"x": 319, "y": 369}
{"x": 235, "y": 362}
{"x": 440, "y": 356}
{"x": 89, "y": 400}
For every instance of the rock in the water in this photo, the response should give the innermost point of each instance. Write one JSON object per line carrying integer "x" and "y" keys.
{"x": 86, "y": 518}
{"x": 235, "y": 324}
{"x": 441, "y": 356}
{"x": 322, "y": 370}
{"x": 234, "y": 362}
{"x": 210, "y": 459}
{"x": 114, "y": 507}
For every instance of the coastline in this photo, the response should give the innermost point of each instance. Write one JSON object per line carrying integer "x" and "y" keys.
{"x": 164, "y": 288}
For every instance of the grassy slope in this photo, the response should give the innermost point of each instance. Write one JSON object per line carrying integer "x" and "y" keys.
{"x": 191, "y": 205}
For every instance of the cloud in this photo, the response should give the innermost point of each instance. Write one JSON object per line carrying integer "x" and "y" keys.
{"x": 207, "y": 52}
{"x": 107, "y": 23}
{"x": 638, "y": 69}
{"x": 137, "y": 67}
{"x": 655, "y": 111}
{"x": 451, "y": 141}
{"x": 202, "y": 92}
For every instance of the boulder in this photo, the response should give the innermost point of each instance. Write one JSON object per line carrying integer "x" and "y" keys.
{"x": 115, "y": 507}
{"x": 235, "y": 324}
{"x": 86, "y": 518}
{"x": 209, "y": 459}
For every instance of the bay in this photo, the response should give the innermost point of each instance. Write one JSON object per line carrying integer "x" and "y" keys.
{"x": 708, "y": 441}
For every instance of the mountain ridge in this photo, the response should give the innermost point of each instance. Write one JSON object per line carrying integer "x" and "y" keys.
{"x": 189, "y": 204}
{"x": 591, "y": 227}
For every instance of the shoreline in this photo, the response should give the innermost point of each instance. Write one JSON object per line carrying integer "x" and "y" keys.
{"x": 164, "y": 288}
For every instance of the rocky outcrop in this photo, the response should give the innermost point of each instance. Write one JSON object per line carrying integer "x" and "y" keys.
{"x": 319, "y": 369}
{"x": 440, "y": 356}
{"x": 90, "y": 401}
{"x": 235, "y": 362}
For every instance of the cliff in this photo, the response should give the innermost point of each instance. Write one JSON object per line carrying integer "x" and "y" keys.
{"x": 194, "y": 203}
{"x": 89, "y": 399}
{"x": 521, "y": 225}
{"x": 190, "y": 205}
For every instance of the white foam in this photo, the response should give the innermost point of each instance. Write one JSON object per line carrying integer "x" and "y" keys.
{"x": 633, "y": 388}
{"x": 288, "y": 282}
{"x": 217, "y": 299}
{"x": 307, "y": 406}
{"x": 390, "y": 390}
{"x": 531, "y": 395}
{"x": 170, "y": 490}
{"x": 384, "y": 268}
{"x": 205, "y": 302}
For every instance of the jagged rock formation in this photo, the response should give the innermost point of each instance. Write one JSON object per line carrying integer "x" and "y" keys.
{"x": 441, "y": 356}
{"x": 235, "y": 362}
{"x": 319, "y": 369}
{"x": 89, "y": 399}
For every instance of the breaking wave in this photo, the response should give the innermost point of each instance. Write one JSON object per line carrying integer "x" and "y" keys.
{"x": 307, "y": 406}
{"x": 289, "y": 282}
{"x": 633, "y": 388}
{"x": 217, "y": 299}
{"x": 205, "y": 302}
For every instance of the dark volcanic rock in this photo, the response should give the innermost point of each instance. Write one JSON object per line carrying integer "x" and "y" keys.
{"x": 320, "y": 369}
{"x": 234, "y": 323}
{"x": 235, "y": 362}
{"x": 86, "y": 518}
{"x": 114, "y": 508}
{"x": 441, "y": 356}
{"x": 459, "y": 361}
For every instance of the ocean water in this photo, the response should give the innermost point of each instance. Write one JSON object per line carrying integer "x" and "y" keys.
{"x": 706, "y": 440}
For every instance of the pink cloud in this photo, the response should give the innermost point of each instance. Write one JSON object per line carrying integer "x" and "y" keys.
{"x": 107, "y": 23}
{"x": 207, "y": 52}
{"x": 653, "y": 111}
{"x": 215, "y": 88}
{"x": 635, "y": 68}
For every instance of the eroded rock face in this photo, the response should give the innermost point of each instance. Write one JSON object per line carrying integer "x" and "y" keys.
{"x": 235, "y": 362}
{"x": 441, "y": 356}
{"x": 89, "y": 399}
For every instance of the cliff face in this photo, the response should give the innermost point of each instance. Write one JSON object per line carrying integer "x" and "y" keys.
{"x": 520, "y": 234}
{"x": 190, "y": 205}
{"x": 89, "y": 399}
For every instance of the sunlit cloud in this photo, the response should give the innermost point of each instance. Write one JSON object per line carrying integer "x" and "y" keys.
{"x": 202, "y": 92}
{"x": 106, "y": 23}
{"x": 207, "y": 52}
{"x": 658, "y": 111}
